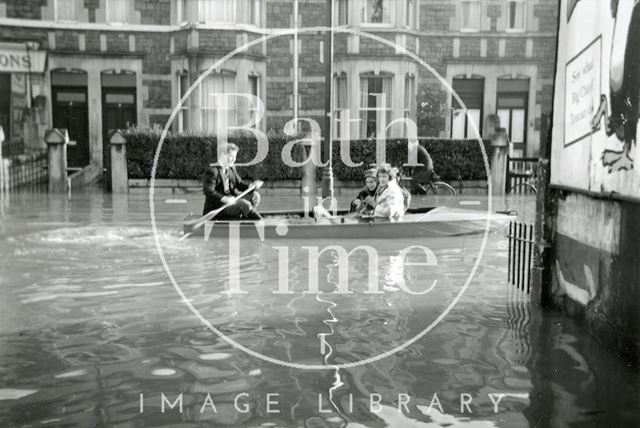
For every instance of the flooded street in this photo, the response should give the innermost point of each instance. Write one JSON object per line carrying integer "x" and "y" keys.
{"x": 93, "y": 332}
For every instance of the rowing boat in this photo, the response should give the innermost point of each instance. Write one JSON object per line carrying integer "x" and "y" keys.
{"x": 416, "y": 223}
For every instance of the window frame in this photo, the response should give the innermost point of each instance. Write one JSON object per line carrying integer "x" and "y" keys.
{"x": 336, "y": 108}
{"x": 56, "y": 8}
{"x": 106, "y": 13}
{"x": 252, "y": 108}
{"x": 410, "y": 7}
{"x": 384, "y": 24}
{"x": 361, "y": 109}
{"x": 468, "y": 29}
{"x": 508, "y": 27}
{"x": 209, "y": 22}
{"x": 253, "y": 15}
{"x": 183, "y": 117}
{"x": 410, "y": 103}
{"x": 338, "y": 12}
{"x": 204, "y": 106}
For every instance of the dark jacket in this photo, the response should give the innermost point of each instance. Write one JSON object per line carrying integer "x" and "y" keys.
{"x": 213, "y": 186}
{"x": 362, "y": 195}
{"x": 423, "y": 174}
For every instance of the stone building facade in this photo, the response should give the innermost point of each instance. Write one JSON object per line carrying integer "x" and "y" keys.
{"x": 103, "y": 64}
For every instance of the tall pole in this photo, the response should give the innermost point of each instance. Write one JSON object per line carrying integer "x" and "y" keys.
{"x": 295, "y": 61}
{"x": 327, "y": 173}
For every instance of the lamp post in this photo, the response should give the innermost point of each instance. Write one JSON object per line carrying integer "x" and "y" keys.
{"x": 327, "y": 173}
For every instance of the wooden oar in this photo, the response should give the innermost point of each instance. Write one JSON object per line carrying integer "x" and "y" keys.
{"x": 196, "y": 224}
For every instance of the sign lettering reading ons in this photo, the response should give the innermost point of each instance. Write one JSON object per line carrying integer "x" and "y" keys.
{"x": 18, "y": 60}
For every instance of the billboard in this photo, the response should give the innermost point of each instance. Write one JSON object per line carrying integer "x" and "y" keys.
{"x": 597, "y": 97}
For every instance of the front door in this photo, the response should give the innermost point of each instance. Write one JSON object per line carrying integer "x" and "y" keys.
{"x": 118, "y": 110}
{"x": 70, "y": 111}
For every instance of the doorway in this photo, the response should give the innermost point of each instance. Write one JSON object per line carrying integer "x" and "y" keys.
{"x": 70, "y": 111}
{"x": 118, "y": 102}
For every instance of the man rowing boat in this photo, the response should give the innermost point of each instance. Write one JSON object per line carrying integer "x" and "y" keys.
{"x": 221, "y": 185}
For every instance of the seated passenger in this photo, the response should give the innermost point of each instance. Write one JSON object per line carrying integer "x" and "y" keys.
{"x": 371, "y": 184}
{"x": 389, "y": 200}
{"x": 405, "y": 193}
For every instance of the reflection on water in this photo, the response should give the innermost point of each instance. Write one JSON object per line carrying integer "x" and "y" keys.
{"x": 93, "y": 333}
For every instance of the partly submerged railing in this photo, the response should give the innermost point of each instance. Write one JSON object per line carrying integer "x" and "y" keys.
{"x": 521, "y": 240}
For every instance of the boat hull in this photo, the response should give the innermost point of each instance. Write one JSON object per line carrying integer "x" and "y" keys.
{"x": 419, "y": 223}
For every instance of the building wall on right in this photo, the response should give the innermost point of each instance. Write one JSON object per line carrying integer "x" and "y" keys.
{"x": 596, "y": 123}
{"x": 498, "y": 57}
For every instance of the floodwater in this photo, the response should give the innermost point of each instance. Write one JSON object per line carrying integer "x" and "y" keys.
{"x": 94, "y": 333}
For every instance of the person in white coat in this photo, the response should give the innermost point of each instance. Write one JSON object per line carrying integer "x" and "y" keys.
{"x": 389, "y": 199}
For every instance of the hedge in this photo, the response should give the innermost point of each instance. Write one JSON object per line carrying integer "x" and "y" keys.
{"x": 185, "y": 156}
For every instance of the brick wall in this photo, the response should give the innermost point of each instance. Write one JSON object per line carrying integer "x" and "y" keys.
{"x": 180, "y": 39}
{"x": 92, "y": 41}
{"x": 278, "y": 95}
{"x": 279, "y": 58}
{"x": 470, "y": 47}
{"x": 117, "y": 42}
{"x": 515, "y": 48}
{"x": 494, "y": 11}
{"x": 544, "y": 50}
{"x": 18, "y": 34}
{"x": 217, "y": 41}
{"x": 67, "y": 40}
{"x": 435, "y": 17}
{"x": 547, "y": 14}
{"x": 154, "y": 12}
{"x": 24, "y": 9}
{"x": 373, "y": 47}
{"x": 279, "y": 14}
{"x": 159, "y": 94}
{"x": 91, "y": 6}
{"x": 311, "y": 95}
{"x": 156, "y": 47}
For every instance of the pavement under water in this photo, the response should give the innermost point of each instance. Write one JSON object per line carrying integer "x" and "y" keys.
{"x": 93, "y": 332}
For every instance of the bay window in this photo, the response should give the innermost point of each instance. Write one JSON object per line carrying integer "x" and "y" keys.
{"x": 217, "y": 112}
{"x": 375, "y": 103}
